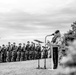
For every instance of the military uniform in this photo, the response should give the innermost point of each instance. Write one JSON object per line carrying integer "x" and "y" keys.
{"x": 31, "y": 52}
{"x": 18, "y": 56}
{"x": 9, "y": 54}
{"x": 45, "y": 54}
{"x": 0, "y": 56}
{"x": 19, "y": 53}
{"x": 57, "y": 42}
{"x": 14, "y": 53}
{"x": 27, "y": 51}
{"x": 23, "y": 53}
{"x": 8, "y": 59}
{"x": 38, "y": 48}
{"x": 55, "y": 57}
{"x": 3, "y": 54}
{"x": 22, "y": 56}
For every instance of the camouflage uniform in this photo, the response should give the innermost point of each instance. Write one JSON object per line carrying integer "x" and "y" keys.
{"x": 27, "y": 51}
{"x": 3, "y": 54}
{"x": 45, "y": 53}
{"x": 9, "y": 54}
{"x": 23, "y": 53}
{"x": 22, "y": 56}
{"x": 0, "y": 56}
{"x": 57, "y": 40}
{"x": 14, "y": 53}
{"x": 19, "y": 53}
{"x": 38, "y": 49}
{"x": 31, "y": 52}
{"x": 8, "y": 59}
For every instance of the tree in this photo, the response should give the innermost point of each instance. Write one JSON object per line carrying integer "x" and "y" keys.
{"x": 69, "y": 61}
{"x": 71, "y": 34}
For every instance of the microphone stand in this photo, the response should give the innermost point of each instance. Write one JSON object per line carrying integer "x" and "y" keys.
{"x": 45, "y": 49}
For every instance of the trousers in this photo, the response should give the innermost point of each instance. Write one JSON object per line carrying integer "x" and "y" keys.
{"x": 55, "y": 57}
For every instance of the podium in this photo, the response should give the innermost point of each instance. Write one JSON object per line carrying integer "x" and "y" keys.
{"x": 54, "y": 55}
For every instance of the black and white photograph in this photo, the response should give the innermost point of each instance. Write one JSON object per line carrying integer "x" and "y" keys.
{"x": 37, "y": 37}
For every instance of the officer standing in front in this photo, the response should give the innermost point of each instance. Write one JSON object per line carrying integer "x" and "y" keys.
{"x": 56, "y": 41}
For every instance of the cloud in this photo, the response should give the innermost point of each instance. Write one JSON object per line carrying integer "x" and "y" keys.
{"x": 32, "y": 6}
{"x": 29, "y": 22}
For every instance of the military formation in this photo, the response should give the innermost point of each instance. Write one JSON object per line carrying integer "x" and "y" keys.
{"x": 22, "y": 52}
{"x": 32, "y": 51}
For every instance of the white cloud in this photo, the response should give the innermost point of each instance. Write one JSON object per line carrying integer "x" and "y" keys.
{"x": 32, "y": 6}
{"x": 30, "y": 19}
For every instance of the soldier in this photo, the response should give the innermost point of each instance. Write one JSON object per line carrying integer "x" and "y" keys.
{"x": 45, "y": 52}
{"x": 19, "y": 52}
{"x": 14, "y": 52}
{"x": 31, "y": 51}
{"x": 28, "y": 50}
{"x": 9, "y": 52}
{"x": 23, "y": 53}
{"x": 33, "y": 55}
{"x": 0, "y": 54}
{"x": 57, "y": 40}
{"x": 3, "y": 53}
{"x": 38, "y": 49}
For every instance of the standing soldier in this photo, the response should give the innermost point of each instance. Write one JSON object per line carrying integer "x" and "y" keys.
{"x": 14, "y": 52}
{"x": 19, "y": 52}
{"x": 57, "y": 40}
{"x": 9, "y": 56}
{"x": 33, "y": 55}
{"x": 3, "y": 53}
{"x": 31, "y": 51}
{"x": 28, "y": 49}
{"x": 39, "y": 51}
{"x": 38, "y": 48}
{"x": 45, "y": 52}
{"x": 36, "y": 51}
{"x": 0, "y": 54}
{"x": 23, "y": 53}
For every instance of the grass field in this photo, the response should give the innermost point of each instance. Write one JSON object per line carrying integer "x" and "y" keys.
{"x": 26, "y": 68}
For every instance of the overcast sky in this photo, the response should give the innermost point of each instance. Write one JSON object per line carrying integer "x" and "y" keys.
{"x": 22, "y": 20}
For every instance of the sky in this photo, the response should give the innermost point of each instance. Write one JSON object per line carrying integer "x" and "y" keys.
{"x": 23, "y": 20}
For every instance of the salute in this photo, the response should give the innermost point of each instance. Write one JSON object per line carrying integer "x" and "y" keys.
{"x": 57, "y": 40}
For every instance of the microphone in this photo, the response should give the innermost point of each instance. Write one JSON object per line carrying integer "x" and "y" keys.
{"x": 52, "y": 34}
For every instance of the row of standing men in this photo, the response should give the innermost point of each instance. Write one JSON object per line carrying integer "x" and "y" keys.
{"x": 12, "y": 52}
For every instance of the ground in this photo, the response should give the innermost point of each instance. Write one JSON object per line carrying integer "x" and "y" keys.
{"x": 26, "y": 68}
